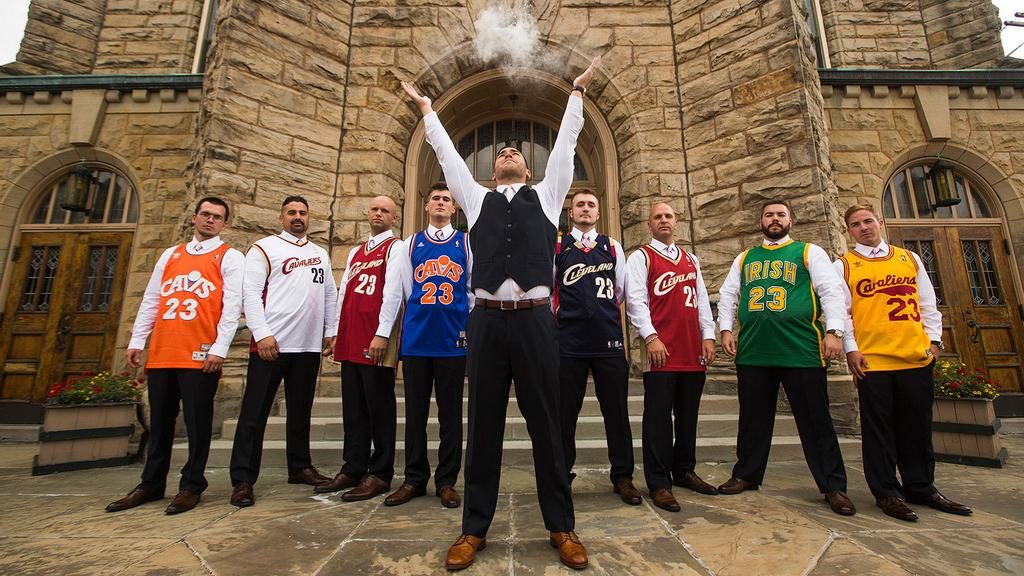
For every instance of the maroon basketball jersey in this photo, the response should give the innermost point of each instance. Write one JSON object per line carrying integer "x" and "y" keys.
{"x": 360, "y": 309}
{"x": 672, "y": 300}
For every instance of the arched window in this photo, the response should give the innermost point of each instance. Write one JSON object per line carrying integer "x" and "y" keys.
{"x": 111, "y": 201}
{"x": 909, "y": 196}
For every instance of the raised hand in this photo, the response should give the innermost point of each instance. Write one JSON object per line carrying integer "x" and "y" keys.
{"x": 422, "y": 101}
{"x": 583, "y": 80}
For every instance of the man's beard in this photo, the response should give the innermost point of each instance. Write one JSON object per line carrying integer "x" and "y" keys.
{"x": 774, "y": 235}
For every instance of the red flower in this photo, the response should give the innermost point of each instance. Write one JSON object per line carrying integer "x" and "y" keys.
{"x": 954, "y": 385}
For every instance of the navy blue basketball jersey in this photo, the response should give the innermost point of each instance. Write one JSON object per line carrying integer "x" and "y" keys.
{"x": 437, "y": 308}
{"x": 589, "y": 324}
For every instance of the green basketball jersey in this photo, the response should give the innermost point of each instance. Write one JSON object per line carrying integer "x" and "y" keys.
{"x": 778, "y": 310}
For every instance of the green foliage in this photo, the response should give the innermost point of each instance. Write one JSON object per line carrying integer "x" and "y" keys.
{"x": 89, "y": 388}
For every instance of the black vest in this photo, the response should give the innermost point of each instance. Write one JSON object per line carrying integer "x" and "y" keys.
{"x": 512, "y": 240}
{"x": 589, "y": 324}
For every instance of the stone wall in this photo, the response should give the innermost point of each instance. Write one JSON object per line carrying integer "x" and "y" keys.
{"x": 148, "y": 37}
{"x": 60, "y": 37}
{"x": 942, "y": 34}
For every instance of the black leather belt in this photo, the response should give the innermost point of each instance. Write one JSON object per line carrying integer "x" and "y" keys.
{"x": 513, "y": 304}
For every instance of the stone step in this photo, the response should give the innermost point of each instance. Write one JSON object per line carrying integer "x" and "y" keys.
{"x": 19, "y": 432}
{"x": 328, "y": 407}
{"x": 587, "y": 427}
{"x": 589, "y": 453}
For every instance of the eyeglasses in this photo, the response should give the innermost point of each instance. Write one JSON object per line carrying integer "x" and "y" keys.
{"x": 210, "y": 216}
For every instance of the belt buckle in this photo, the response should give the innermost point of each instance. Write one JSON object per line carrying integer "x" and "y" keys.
{"x": 511, "y": 303}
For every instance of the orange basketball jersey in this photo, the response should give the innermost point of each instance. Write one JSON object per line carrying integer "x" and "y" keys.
{"x": 191, "y": 301}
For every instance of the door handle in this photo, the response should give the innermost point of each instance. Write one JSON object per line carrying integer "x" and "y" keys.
{"x": 975, "y": 331}
{"x": 63, "y": 329}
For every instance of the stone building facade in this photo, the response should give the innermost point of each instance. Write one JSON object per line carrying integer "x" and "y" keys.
{"x": 712, "y": 106}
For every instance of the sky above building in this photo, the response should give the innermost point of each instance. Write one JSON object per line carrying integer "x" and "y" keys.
{"x": 13, "y": 15}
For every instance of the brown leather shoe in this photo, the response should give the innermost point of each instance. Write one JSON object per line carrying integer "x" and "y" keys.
{"x": 242, "y": 495}
{"x": 663, "y": 498}
{"x": 183, "y": 502}
{"x": 629, "y": 494}
{"x": 941, "y": 503}
{"x": 367, "y": 488}
{"x": 309, "y": 476}
{"x": 339, "y": 483}
{"x": 693, "y": 482}
{"x": 404, "y": 493}
{"x": 840, "y": 503}
{"x": 463, "y": 552}
{"x": 449, "y": 497}
{"x": 136, "y": 497}
{"x": 570, "y": 550}
{"x": 735, "y": 486}
{"x": 897, "y": 508}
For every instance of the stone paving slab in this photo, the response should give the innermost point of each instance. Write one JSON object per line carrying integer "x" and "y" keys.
{"x": 55, "y": 524}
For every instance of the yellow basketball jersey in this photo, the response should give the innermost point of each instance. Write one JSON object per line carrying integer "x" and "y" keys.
{"x": 885, "y": 309}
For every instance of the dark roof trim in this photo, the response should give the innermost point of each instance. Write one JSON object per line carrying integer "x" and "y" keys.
{"x": 108, "y": 81}
{"x": 865, "y": 77}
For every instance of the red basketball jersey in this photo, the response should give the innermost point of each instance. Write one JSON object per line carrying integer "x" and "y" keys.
{"x": 672, "y": 300}
{"x": 360, "y": 310}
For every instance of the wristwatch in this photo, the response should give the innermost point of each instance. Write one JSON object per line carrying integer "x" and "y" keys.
{"x": 836, "y": 333}
{"x": 582, "y": 89}
{"x": 938, "y": 344}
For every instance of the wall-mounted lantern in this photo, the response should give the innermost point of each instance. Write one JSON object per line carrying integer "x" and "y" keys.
{"x": 943, "y": 184}
{"x": 76, "y": 190}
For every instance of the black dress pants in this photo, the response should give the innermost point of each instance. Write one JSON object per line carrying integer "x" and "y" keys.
{"x": 299, "y": 371}
{"x": 896, "y": 431}
{"x": 666, "y": 393}
{"x": 195, "y": 391}
{"x": 517, "y": 345}
{"x": 611, "y": 384}
{"x": 369, "y": 413}
{"x": 446, "y": 378}
{"x": 807, "y": 391}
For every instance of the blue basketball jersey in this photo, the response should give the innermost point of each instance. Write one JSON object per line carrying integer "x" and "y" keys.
{"x": 437, "y": 309}
{"x": 589, "y": 324}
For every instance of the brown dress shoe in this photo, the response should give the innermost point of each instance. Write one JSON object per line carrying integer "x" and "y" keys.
{"x": 183, "y": 502}
{"x": 897, "y": 508}
{"x": 693, "y": 482}
{"x": 840, "y": 503}
{"x": 404, "y": 493}
{"x": 463, "y": 552}
{"x": 663, "y": 498}
{"x": 242, "y": 495}
{"x": 339, "y": 483}
{"x": 449, "y": 497}
{"x": 309, "y": 476}
{"x": 735, "y": 486}
{"x": 367, "y": 488}
{"x": 629, "y": 494}
{"x": 941, "y": 503}
{"x": 134, "y": 498}
{"x": 570, "y": 550}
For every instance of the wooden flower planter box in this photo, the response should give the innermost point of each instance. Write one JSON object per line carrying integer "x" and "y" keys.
{"x": 83, "y": 436}
{"x": 965, "y": 431}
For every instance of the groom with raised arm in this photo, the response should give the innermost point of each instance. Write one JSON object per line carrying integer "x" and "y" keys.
{"x": 512, "y": 332}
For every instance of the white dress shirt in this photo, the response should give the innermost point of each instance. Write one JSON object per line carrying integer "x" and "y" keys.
{"x": 826, "y": 283}
{"x": 931, "y": 318}
{"x": 620, "y": 259}
{"x": 232, "y": 268}
{"x": 392, "y": 303}
{"x": 552, "y": 190}
{"x": 638, "y": 300}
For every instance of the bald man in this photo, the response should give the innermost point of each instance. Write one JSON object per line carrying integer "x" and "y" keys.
{"x": 366, "y": 346}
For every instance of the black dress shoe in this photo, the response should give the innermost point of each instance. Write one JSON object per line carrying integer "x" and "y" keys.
{"x": 309, "y": 476}
{"x": 941, "y": 503}
{"x": 840, "y": 503}
{"x": 242, "y": 495}
{"x": 183, "y": 502}
{"x": 693, "y": 482}
{"x": 404, "y": 493}
{"x": 629, "y": 494}
{"x": 897, "y": 508}
{"x": 339, "y": 483}
{"x": 134, "y": 498}
{"x": 663, "y": 498}
{"x": 735, "y": 486}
